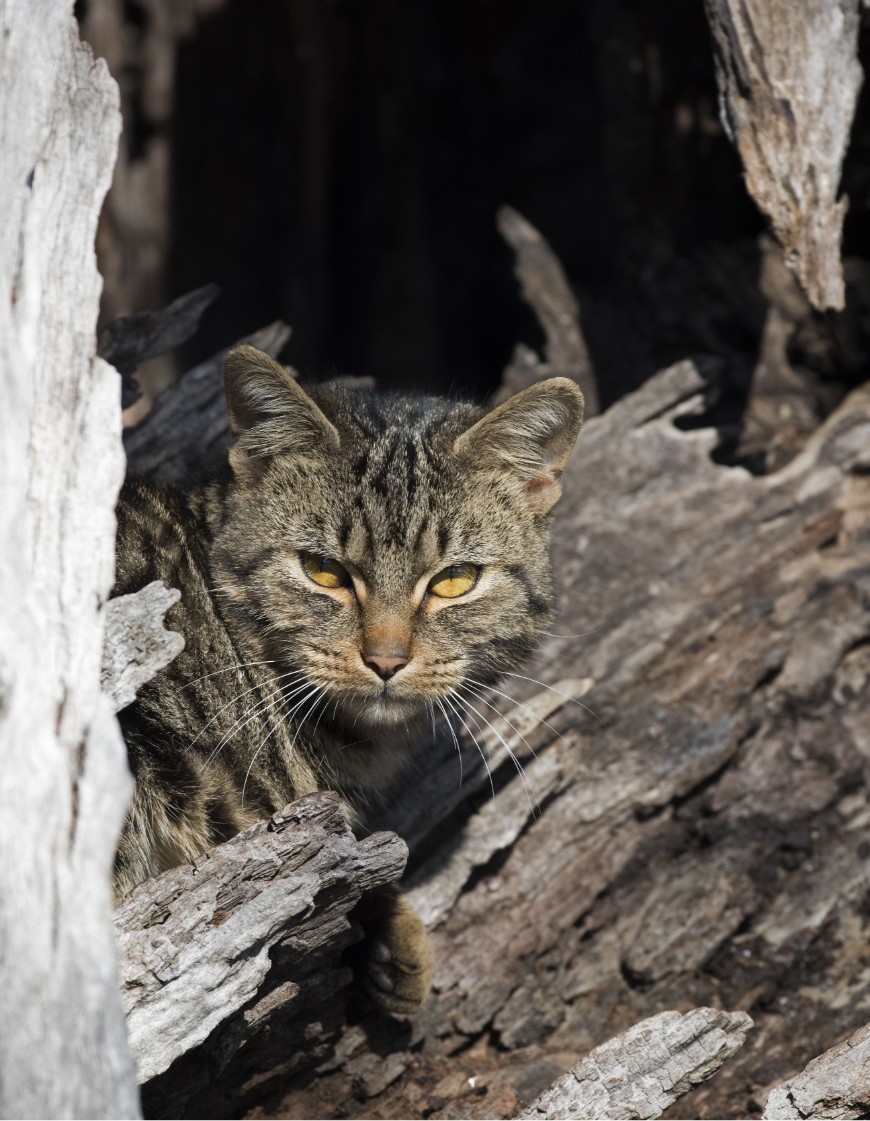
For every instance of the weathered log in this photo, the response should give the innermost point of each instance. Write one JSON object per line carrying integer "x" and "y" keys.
{"x": 789, "y": 76}
{"x": 835, "y": 1085}
{"x": 237, "y": 930}
{"x": 188, "y": 426}
{"x": 136, "y": 645}
{"x": 693, "y": 837}
{"x": 133, "y": 339}
{"x": 647, "y": 1068}
{"x": 702, "y": 847}
{"x": 64, "y": 784}
{"x": 546, "y": 290}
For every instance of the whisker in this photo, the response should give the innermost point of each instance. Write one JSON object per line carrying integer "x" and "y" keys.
{"x": 516, "y": 761}
{"x": 482, "y": 697}
{"x": 583, "y": 634}
{"x": 559, "y": 693}
{"x": 431, "y": 708}
{"x": 514, "y": 701}
{"x": 233, "y": 700}
{"x": 229, "y": 669}
{"x": 257, "y": 709}
{"x": 452, "y": 733}
{"x": 455, "y": 708}
{"x": 315, "y": 690}
{"x": 322, "y": 711}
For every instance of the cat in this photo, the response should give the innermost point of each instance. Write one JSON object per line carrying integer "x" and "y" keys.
{"x": 358, "y": 555}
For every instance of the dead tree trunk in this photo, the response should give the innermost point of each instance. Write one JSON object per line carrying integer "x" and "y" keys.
{"x": 789, "y": 78}
{"x": 64, "y": 782}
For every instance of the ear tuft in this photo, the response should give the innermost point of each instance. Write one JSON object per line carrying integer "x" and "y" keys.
{"x": 270, "y": 414}
{"x": 531, "y": 436}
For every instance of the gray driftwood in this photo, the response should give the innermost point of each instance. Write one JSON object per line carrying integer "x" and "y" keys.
{"x": 646, "y": 1069}
{"x": 136, "y": 644}
{"x": 238, "y": 930}
{"x": 835, "y": 1085}
{"x": 789, "y": 77}
{"x": 63, "y": 782}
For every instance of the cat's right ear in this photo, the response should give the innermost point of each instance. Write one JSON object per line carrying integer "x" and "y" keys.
{"x": 270, "y": 414}
{"x": 529, "y": 437}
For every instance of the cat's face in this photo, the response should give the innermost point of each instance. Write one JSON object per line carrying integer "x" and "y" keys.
{"x": 393, "y": 550}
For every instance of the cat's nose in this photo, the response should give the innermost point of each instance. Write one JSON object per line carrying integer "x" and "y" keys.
{"x": 383, "y": 665}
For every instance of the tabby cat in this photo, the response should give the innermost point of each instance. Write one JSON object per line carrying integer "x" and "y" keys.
{"x": 361, "y": 554}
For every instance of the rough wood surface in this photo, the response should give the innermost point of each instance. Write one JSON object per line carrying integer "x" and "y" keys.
{"x": 646, "y": 1069}
{"x": 64, "y": 784}
{"x": 691, "y": 826}
{"x": 835, "y": 1085}
{"x": 694, "y": 836}
{"x": 237, "y": 930}
{"x": 136, "y": 644}
{"x": 188, "y": 424}
{"x": 789, "y": 77}
{"x": 546, "y": 290}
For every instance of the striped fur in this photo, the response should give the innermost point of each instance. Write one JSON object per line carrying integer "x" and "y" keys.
{"x": 270, "y": 698}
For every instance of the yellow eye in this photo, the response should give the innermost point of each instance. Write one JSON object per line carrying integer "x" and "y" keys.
{"x": 454, "y": 581}
{"x": 325, "y": 572}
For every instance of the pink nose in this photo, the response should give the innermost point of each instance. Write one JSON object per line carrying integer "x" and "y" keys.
{"x": 383, "y": 665}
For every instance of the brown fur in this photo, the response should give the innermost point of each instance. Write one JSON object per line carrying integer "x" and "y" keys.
{"x": 275, "y": 694}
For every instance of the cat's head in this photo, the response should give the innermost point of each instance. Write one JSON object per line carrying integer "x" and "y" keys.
{"x": 394, "y": 549}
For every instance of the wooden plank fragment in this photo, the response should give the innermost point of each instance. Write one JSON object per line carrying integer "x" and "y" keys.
{"x": 546, "y": 290}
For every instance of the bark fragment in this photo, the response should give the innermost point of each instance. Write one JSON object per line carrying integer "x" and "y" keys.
{"x": 136, "y": 645}
{"x": 646, "y": 1069}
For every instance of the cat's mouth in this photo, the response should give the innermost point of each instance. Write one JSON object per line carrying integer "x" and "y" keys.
{"x": 385, "y": 708}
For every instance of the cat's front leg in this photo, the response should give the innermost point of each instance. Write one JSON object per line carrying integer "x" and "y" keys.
{"x": 395, "y": 962}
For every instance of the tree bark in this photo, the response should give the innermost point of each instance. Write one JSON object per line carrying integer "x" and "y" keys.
{"x": 646, "y": 1069}
{"x": 789, "y": 77}
{"x": 239, "y": 929}
{"x": 835, "y": 1085}
{"x": 690, "y": 823}
{"x": 64, "y": 782}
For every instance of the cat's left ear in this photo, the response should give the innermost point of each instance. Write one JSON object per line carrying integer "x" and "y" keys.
{"x": 531, "y": 435}
{"x": 270, "y": 414}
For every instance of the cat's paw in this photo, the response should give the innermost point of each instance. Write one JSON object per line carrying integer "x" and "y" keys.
{"x": 397, "y": 967}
